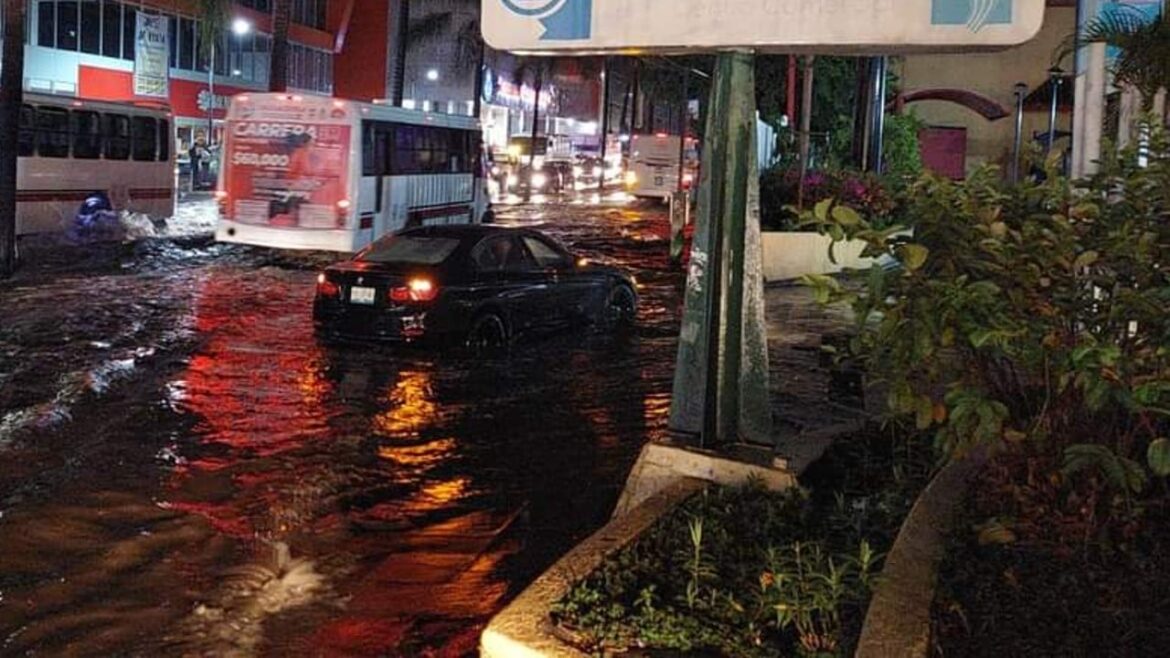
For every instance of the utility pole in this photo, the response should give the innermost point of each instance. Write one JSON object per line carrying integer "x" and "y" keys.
{"x": 11, "y": 95}
{"x": 1055, "y": 78}
{"x": 604, "y": 122}
{"x": 877, "y": 130}
{"x": 1021, "y": 90}
{"x": 805, "y": 126}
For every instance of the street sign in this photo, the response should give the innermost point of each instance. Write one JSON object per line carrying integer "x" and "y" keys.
{"x": 679, "y": 26}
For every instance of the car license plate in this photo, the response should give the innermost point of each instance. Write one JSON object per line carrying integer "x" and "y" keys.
{"x": 359, "y": 295}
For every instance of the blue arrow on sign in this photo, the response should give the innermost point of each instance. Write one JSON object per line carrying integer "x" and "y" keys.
{"x": 574, "y": 20}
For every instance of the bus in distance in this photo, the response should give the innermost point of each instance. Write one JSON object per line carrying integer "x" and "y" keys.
{"x": 317, "y": 173}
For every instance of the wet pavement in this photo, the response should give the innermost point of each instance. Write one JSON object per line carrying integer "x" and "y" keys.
{"x": 185, "y": 471}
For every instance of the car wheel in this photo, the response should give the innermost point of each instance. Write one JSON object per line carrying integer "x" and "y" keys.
{"x": 621, "y": 307}
{"x": 488, "y": 334}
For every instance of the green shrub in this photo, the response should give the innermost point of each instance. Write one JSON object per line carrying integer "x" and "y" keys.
{"x": 1032, "y": 315}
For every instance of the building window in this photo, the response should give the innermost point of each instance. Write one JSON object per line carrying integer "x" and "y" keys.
{"x": 186, "y": 44}
{"x": 91, "y": 20}
{"x": 310, "y": 13}
{"x": 67, "y": 25}
{"x": 129, "y": 30}
{"x": 111, "y": 29}
{"x": 47, "y": 24}
{"x": 173, "y": 39}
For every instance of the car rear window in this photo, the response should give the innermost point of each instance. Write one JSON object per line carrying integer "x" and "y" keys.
{"x": 411, "y": 250}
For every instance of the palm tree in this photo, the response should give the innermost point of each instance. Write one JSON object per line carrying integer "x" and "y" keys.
{"x": 278, "y": 65}
{"x": 1143, "y": 61}
{"x": 458, "y": 21}
{"x": 11, "y": 96}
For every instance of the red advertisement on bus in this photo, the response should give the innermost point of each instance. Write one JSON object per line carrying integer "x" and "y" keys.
{"x": 286, "y": 163}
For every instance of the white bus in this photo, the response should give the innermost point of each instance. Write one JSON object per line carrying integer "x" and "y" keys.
{"x": 116, "y": 154}
{"x": 317, "y": 173}
{"x": 654, "y": 165}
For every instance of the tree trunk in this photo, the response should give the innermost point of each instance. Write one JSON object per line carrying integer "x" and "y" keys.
{"x": 402, "y": 37}
{"x": 11, "y": 92}
{"x": 477, "y": 93}
{"x": 805, "y": 125}
{"x": 278, "y": 73}
{"x": 539, "y": 83}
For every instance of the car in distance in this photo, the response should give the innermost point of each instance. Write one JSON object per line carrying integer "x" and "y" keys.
{"x": 475, "y": 285}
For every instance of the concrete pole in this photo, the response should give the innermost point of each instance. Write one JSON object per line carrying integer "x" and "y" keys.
{"x": 1078, "y": 127}
{"x": 721, "y": 379}
{"x": 1129, "y": 109}
{"x": 1094, "y": 108}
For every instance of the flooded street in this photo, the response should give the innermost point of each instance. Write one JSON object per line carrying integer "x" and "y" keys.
{"x": 185, "y": 471}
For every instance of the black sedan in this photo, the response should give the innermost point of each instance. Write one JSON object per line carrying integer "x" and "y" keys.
{"x": 480, "y": 286}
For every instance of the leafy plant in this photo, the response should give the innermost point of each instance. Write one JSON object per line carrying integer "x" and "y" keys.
{"x": 1029, "y": 317}
{"x": 748, "y": 572}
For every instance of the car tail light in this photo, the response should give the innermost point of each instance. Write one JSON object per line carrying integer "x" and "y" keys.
{"x": 221, "y": 199}
{"x": 418, "y": 289}
{"x": 326, "y": 288}
{"x": 342, "y": 212}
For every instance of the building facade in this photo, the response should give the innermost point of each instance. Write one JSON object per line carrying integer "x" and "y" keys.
{"x": 959, "y": 137}
{"x": 86, "y": 49}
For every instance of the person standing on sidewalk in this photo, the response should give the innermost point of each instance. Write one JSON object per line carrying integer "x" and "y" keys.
{"x": 196, "y": 156}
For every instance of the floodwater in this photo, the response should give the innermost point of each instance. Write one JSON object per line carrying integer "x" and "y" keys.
{"x": 185, "y": 471}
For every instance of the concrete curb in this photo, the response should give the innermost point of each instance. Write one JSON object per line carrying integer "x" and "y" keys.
{"x": 523, "y": 629}
{"x": 898, "y": 620}
{"x": 663, "y": 477}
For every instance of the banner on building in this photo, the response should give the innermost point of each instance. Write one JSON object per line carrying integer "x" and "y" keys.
{"x": 151, "y": 57}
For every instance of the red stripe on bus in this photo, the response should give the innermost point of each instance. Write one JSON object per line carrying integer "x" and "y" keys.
{"x": 440, "y": 211}
{"x": 151, "y": 193}
{"x": 35, "y": 196}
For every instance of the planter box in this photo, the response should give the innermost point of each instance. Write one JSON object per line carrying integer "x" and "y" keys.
{"x": 663, "y": 477}
{"x": 792, "y": 255}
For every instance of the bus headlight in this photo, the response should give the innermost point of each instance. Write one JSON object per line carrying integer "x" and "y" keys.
{"x": 539, "y": 180}
{"x": 631, "y": 178}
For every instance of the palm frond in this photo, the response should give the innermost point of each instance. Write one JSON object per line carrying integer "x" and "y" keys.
{"x": 213, "y": 19}
{"x": 429, "y": 27}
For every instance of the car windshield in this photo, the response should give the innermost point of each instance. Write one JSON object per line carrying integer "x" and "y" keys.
{"x": 410, "y": 250}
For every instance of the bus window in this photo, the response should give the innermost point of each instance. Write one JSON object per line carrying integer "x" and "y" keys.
{"x": 406, "y": 140}
{"x": 144, "y": 134}
{"x": 116, "y": 128}
{"x": 28, "y": 134}
{"x": 52, "y": 132}
{"x": 369, "y": 163}
{"x": 87, "y": 134}
{"x": 164, "y": 140}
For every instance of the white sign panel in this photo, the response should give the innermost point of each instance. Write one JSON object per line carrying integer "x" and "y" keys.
{"x": 778, "y": 25}
{"x": 151, "y": 57}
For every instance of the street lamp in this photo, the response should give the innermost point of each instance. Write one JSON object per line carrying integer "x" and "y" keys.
{"x": 432, "y": 74}
{"x": 1055, "y": 79}
{"x": 1021, "y": 90}
{"x": 240, "y": 27}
